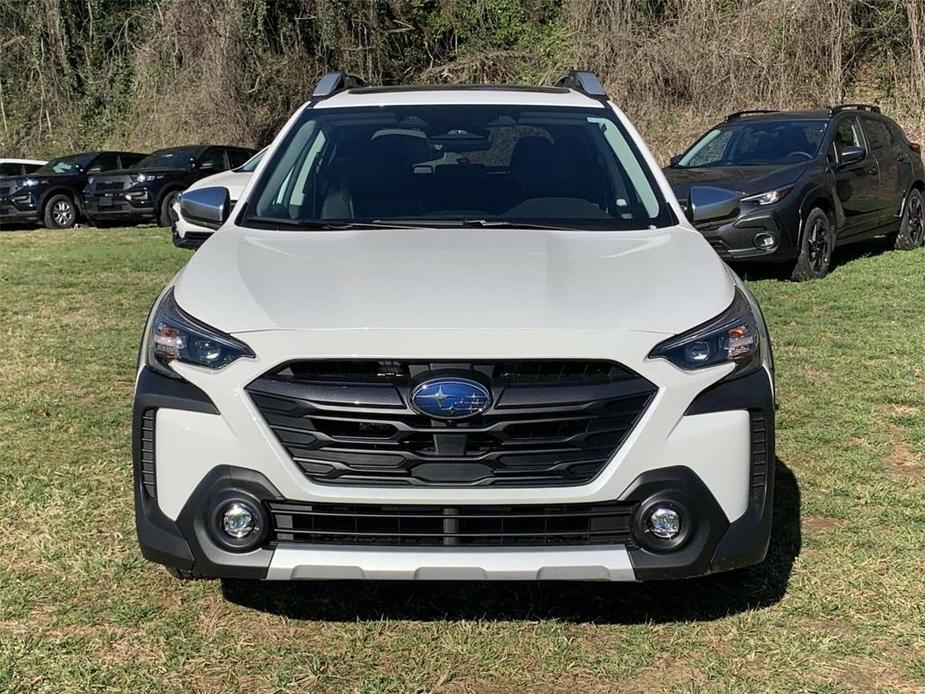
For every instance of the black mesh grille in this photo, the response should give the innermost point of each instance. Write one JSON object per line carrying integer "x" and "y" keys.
{"x": 148, "y": 419}
{"x": 551, "y": 423}
{"x": 759, "y": 455}
{"x": 721, "y": 248}
{"x": 468, "y": 526}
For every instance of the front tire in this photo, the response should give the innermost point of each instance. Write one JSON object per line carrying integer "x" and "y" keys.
{"x": 60, "y": 212}
{"x": 163, "y": 218}
{"x": 912, "y": 227}
{"x": 816, "y": 246}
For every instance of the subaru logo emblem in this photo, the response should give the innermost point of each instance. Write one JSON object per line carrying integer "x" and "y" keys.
{"x": 450, "y": 398}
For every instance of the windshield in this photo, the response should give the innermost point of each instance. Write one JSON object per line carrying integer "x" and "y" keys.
{"x": 762, "y": 143}
{"x": 179, "y": 158}
{"x": 73, "y": 164}
{"x": 251, "y": 164}
{"x": 458, "y": 165}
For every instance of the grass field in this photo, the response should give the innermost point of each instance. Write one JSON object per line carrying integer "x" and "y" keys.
{"x": 840, "y": 603}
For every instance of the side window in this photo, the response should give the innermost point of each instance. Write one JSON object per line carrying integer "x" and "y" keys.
{"x": 877, "y": 134}
{"x": 236, "y": 157}
{"x": 213, "y": 158}
{"x": 710, "y": 150}
{"x": 11, "y": 169}
{"x": 848, "y": 134}
{"x": 104, "y": 162}
{"x": 29, "y": 168}
{"x": 129, "y": 160}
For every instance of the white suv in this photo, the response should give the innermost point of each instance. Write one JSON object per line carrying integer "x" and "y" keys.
{"x": 455, "y": 333}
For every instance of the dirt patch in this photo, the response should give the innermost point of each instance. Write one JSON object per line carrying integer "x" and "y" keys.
{"x": 903, "y": 462}
{"x": 866, "y": 674}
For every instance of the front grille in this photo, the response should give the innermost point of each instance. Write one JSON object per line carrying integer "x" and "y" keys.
{"x": 552, "y": 423}
{"x": 148, "y": 419}
{"x": 454, "y": 526}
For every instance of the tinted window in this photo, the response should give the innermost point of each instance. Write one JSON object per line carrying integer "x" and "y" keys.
{"x": 877, "y": 134}
{"x": 760, "y": 143}
{"x": 174, "y": 158}
{"x": 214, "y": 158}
{"x": 10, "y": 169}
{"x": 29, "y": 168}
{"x": 104, "y": 162}
{"x": 129, "y": 160}
{"x": 236, "y": 157}
{"x": 251, "y": 164}
{"x": 450, "y": 164}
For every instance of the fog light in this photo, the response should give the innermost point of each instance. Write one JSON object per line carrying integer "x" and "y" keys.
{"x": 664, "y": 523}
{"x": 765, "y": 241}
{"x": 238, "y": 521}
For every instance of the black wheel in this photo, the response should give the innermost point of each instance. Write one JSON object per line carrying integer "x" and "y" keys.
{"x": 163, "y": 218}
{"x": 816, "y": 246}
{"x": 912, "y": 227}
{"x": 60, "y": 212}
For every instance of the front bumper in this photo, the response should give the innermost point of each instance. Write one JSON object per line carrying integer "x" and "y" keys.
{"x": 21, "y": 206}
{"x": 698, "y": 440}
{"x": 736, "y": 240}
{"x": 132, "y": 204}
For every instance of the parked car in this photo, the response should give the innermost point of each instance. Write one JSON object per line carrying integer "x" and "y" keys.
{"x": 19, "y": 167}
{"x": 51, "y": 194}
{"x": 810, "y": 181}
{"x": 145, "y": 191}
{"x": 188, "y": 235}
{"x": 454, "y": 333}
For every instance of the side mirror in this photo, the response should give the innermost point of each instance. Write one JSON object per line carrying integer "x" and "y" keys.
{"x": 708, "y": 204}
{"x": 208, "y": 207}
{"x": 674, "y": 160}
{"x": 850, "y": 154}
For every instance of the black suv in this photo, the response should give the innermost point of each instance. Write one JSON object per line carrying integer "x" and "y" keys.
{"x": 810, "y": 181}
{"x": 146, "y": 191}
{"x": 52, "y": 193}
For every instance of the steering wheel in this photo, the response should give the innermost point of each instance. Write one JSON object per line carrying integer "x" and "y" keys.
{"x": 799, "y": 153}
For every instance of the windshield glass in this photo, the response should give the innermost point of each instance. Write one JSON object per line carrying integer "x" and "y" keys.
{"x": 454, "y": 165}
{"x": 760, "y": 143}
{"x": 73, "y": 164}
{"x": 251, "y": 164}
{"x": 179, "y": 158}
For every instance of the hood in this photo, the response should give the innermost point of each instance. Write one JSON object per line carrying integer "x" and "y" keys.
{"x": 118, "y": 173}
{"x": 747, "y": 180}
{"x": 662, "y": 281}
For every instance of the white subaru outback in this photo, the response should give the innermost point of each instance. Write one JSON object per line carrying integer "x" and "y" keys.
{"x": 455, "y": 333}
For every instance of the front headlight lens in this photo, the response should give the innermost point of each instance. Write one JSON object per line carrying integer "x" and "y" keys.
{"x": 768, "y": 198}
{"x": 147, "y": 178}
{"x": 176, "y": 336}
{"x": 733, "y": 336}
{"x": 30, "y": 183}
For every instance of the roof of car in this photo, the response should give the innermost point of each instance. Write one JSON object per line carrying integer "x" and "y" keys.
{"x": 811, "y": 114}
{"x": 7, "y": 160}
{"x": 512, "y": 95}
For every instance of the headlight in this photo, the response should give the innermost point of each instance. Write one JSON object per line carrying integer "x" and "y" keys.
{"x": 30, "y": 183}
{"x": 176, "y": 336}
{"x": 733, "y": 336}
{"x": 768, "y": 198}
{"x": 147, "y": 178}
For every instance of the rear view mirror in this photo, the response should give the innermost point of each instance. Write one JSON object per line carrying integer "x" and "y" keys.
{"x": 709, "y": 204}
{"x": 850, "y": 154}
{"x": 208, "y": 207}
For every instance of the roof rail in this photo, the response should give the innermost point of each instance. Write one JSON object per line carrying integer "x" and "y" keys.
{"x": 854, "y": 107}
{"x": 749, "y": 112}
{"x": 582, "y": 81}
{"x": 333, "y": 82}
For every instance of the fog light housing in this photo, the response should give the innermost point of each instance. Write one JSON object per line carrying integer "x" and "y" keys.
{"x": 238, "y": 521}
{"x": 765, "y": 241}
{"x": 664, "y": 523}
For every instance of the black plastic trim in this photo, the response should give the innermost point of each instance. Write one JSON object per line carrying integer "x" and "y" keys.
{"x": 155, "y": 390}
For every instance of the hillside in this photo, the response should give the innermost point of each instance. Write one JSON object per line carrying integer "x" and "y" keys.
{"x": 142, "y": 74}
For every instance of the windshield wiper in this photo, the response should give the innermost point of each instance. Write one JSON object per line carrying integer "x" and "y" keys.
{"x": 316, "y": 224}
{"x": 506, "y": 224}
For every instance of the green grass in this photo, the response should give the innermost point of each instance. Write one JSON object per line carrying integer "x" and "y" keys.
{"x": 840, "y": 602}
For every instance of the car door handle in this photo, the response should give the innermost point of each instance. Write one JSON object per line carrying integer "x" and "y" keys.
{"x": 872, "y": 171}
{"x": 903, "y": 158}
